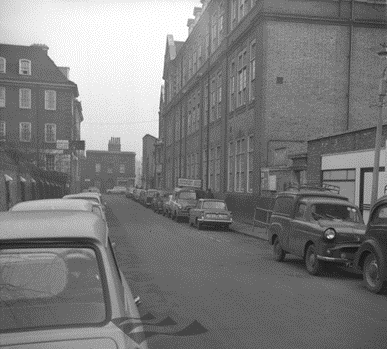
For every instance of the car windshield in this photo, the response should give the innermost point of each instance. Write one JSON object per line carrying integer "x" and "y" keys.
{"x": 214, "y": 204}
{"x": 187, "y": 195}
{"x": 50, "y": 286}
{"x": 151, "y": 194}
{"x": 336, "y": 212}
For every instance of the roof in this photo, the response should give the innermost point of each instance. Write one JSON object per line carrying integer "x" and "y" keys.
{"x": 53, "y": 204}
{"x": 43, "y": 68}
{"x": 110, "y": 152}
{"x": 52, "y": 225}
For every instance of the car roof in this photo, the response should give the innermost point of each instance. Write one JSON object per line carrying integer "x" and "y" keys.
{"x": 51, "y": 225}
{"x": 54, "y": 204}
{"x": 217, "y": 200}
{"x": 326, "y": 200}
{"x": 307, "y": 193}
{"x": 83, "y": 195}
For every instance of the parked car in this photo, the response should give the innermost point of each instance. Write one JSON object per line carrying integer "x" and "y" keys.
{"x": 61, "y": 284}
{"x": 142, "y": 197}
{"x": 150, "y": 194}
{"x": 93, "y": 190}
{"x": 136, "y": 194}
{"x": 322, "y": 227}
{"x": 61, "y": 205}
{"x": 116, "y": 190}
{"x": 158, "y": 201}
{"x": 95, "y": 197}
{"x": 183, "y": 200}
{"x": 371, "y": 258}
{"x": 210, "y": 212}
{"x": 167, "y": 206}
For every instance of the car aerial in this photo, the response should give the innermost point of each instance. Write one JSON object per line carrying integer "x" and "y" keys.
{"x": 116, "y": 190}
{"x": 321, "y": 227}
{"x": 150, "y": 194}
{"x": 371, "y": 257}
{"x": 167, "y": 205}
{"x": 61, "y": 285}
{"x": 183, "y": 200}
{"x": 91, "y": 196}
{"x": 210, "y": 212}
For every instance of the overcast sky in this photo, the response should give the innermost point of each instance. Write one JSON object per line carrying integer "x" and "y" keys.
{"x": 115, "y": 51}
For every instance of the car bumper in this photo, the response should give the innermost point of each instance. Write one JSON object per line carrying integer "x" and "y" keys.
{"x": 215, "y": 221}
{"x": 339, "y": 254}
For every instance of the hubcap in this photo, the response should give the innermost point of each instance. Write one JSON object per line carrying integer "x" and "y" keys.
{"x": 372, "y": 273}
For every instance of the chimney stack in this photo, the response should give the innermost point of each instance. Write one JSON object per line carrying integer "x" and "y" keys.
{"x": 65, "y": 71}
{"x": 190, "y": 25}
{"x": 43, "y": 47}
{"x": 114, "y": 144}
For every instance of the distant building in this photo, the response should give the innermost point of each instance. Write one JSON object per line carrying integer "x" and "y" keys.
{"x": 148, "y": 161}
{"x": 106, "y": 169}
{"x": 138, "y": 182}
{"x": 38, "y": 106}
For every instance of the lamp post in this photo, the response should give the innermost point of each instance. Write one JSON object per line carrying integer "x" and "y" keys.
{"x": 379, "y": 128}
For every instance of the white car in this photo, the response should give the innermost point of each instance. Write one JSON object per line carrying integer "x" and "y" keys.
{"x": 116, "y": 190}
{"x": 95, "y": 197}
{"x": 61, "y": 286}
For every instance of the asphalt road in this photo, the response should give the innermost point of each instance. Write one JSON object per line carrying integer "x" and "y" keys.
{"x": 228, "y": 284}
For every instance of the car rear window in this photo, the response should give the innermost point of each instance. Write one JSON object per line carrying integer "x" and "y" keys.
{"x": 45, "y": 287}
{"x": 86, "y": 198}
{"x": 214, "y": 204}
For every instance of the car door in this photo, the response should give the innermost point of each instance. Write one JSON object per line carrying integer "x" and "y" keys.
{"x": 299, "y": 228}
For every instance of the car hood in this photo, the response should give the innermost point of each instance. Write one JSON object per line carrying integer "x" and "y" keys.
{"x": 346, "y": 231}
{"x": 107, "y": 337}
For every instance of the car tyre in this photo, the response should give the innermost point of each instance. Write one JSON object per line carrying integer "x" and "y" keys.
{"x": 313, "y": 265}
{"x": 190, "y": 222}
{"x": 278, "y": 252}
{"x": 371, "y": 275}
{"x": 199, "y": 225}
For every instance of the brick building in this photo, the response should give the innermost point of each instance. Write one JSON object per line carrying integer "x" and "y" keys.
{"x": 106, "y": 169}
{"x": 256, "y": 79}
{"x": 38, "y": 106}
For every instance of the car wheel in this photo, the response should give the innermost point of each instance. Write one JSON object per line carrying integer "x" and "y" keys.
{"x": 278, "y": 252}
{"x": 190, "y": 222}
{"x": 313, "y": 265}
{"x": 199, "y": 225}
{"x": 371, "y": 275}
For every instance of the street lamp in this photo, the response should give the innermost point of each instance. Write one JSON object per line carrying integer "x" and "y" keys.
{"x": 379, "y": 128}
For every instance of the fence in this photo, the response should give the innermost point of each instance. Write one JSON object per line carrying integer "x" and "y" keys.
{"x": 22, "y": 181}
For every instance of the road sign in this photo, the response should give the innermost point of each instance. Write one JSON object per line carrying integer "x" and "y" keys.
{"x": 62, "y": 144}
{"x": 185, "y": 182}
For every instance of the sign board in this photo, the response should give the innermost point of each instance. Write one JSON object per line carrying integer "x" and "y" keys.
{"x": 272, "y": 182}
{"x": 185, "y": 182}
{"x": 62, "y": 144}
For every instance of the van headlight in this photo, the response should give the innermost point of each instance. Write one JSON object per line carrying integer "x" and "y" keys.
{"x": 330, "y": 234}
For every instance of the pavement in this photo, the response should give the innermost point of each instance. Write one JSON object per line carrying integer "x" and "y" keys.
{"x": 249, "y": 229}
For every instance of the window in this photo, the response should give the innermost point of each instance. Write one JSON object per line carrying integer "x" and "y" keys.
{"x": 122, "y": 168}
{"x": 242, "y": 8}
{"x": 204, "y": 168}
{"x": 197, "y": 165}
{"x": 50, "y": 162}
{"x": 252, "y": 72}
{"x": 2, "y": 129}
{"x": 110, "y": 168}
{"x": 207, "y": 45}
{"x": 240, "y": 165}
{"x": 200, "y": 58}
{"x": 187, "y": 166}
{"x": 214, "y": 32}
{"x": 3, "y": 63}
{"x": 97, "y": 168}
{"x": 25, "y": 132}
{"x": 25, "y": 98}
{"x": 24, "y": 67}
{"x": 250, "y": 163}
{"x": 230, "y": 178}
{"x": 205, "y": 111}
{"x": 2, "y": 96}
{"x": 50, "y": 100}
{"x": 189, "y": 122}
{"x": 234, "y": 11}
{"x": 219, "y": 111}
{"x": 50, "y": 133}
{"x": 195, "y": 67}
{"x": 242, "y": 78}
{"x": 220, "y": 24}
{"x": 192, "y": 166}
{"x": 213, "y": 100}
{"x": 232, "y": 86}
{"x": 211, "y": 172}
{"x": 300, "y": 211}
{"x": 217, "y": 169}
{"x": 190, "y": 67}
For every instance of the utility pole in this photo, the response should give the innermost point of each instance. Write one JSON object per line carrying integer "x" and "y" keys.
{"x": 379, "y": 129}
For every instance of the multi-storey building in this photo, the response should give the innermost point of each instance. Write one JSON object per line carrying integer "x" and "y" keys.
{"x": 138, "y": 181}
{"x": 148, "y": 162}
{"x": 38, "y": 106}
{"x": 106, "y": 169}
{"x": 256, "y": 79}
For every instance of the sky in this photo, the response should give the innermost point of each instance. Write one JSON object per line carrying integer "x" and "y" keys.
{"x": 115, "y": 51}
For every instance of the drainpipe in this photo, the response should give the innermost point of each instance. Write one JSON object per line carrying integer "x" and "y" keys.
{"x": 209, "y": 96}
{"x": 349, "y": 65}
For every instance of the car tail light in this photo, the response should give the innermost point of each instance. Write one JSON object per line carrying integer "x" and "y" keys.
{"x": 330, "y": 234}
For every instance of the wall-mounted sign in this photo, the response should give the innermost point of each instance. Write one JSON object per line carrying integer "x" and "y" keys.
{"x": 185, "y": 182}
{"x": 62, "y": 144}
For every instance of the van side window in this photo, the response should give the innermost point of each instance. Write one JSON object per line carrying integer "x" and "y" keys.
{"x": 300, "y": 212}
{"x": 380, "y": 216}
